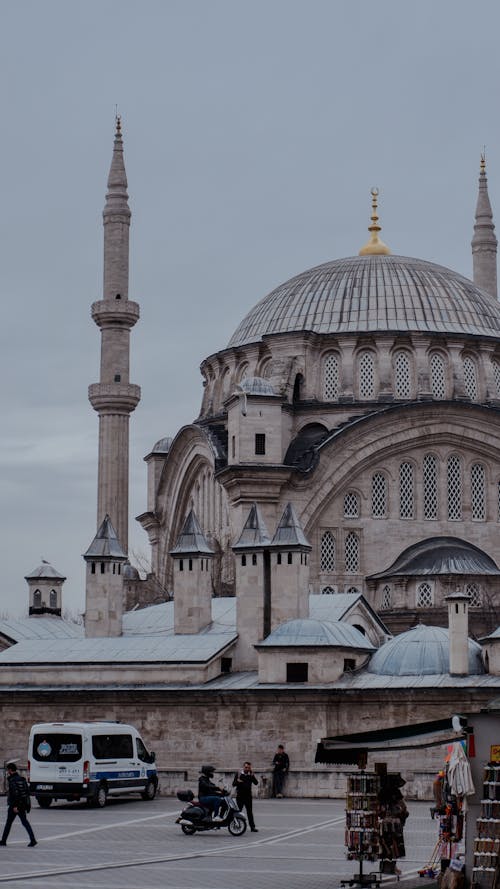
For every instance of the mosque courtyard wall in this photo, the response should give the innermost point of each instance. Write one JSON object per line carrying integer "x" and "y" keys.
{"x": 186, "y": 728}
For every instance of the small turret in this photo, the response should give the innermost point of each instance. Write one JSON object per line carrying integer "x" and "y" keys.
{"x": 458, "y": 632}
{"x": 253, "y": 589}
{"x": 484, "y": 242}
{"x": 289, "y": 570}
{"x": 105, "y": 558}
{"x": 45, "y": 590}
{"x": 192, "y": 578}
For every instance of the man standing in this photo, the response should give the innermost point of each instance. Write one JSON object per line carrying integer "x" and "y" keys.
{"x": 18, "y": 802}
{"x": 281, "y": 765}
{"x": 243, "y": 782}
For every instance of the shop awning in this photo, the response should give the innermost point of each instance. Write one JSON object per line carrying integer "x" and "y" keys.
{"x": 354, "y": 749}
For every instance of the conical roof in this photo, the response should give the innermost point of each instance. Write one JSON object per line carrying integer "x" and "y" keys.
{"x": 289, "y": 531}
{"x": 191, "y": 540}
{"x": 254, "y": 533}
{"x": 105, "y": 544}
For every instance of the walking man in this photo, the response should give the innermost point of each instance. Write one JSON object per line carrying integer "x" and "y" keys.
{"x": 281, "y": 765}
{"x": 18, "y": 802}
{"x": 243, "y": 782}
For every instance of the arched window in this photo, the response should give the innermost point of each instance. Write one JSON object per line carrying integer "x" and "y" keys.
{"x": 474, "y": 591}
{"x": 496, "y": 376}
{"x": 438, "y": 376}
{"x": 352, "y": 553}
{"x": 454, "y": 484}
{"x": 477, "y": 492}
{"x": 297, "y": 387}
{"x": 406, "y": 499}
{"x": 379, "y": 496}
{"x": 366, "y": 375}
{"x": 351, "y": 505}
{"x": 53, "y": 599}
{"x": 37, "y": 599}
{"x": 328, "y": 552}
{"x": 331, "y": 378}
{"x": 402, "y": 375}
{"x": 424, "y": 595}
{"x": 226, "y": 382}
{"x": 386, "y": 597}
{"x": 470, "y": 378}
{"x": 430, "y": 487}
{"x": 328, "y": 590}
{"x": 354, "y": 590}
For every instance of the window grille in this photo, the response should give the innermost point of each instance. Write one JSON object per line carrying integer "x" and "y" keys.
{"x": 260, "y": 443}
{"x": 379, "y": 496}
{"x": 406, "y": 505}
{"x": 498, "y": 500}
{"x": 328, "y": 590}
{"x": 331, "y": 378}
{"x": 352, "y": 553}
{"x": 438, "y": 377}
{"x": 454, "y": 480}
{"x": 474, "y": 591}
{"x": 424, "y": 595}
{"x": 496, "y": 376}
{"x": 353, "y": 589}
{"x": 37, "y": 599}
{"x": 366, "y": 376}
{"x": 351, "y": 505}
{"x": 470, "y": 380}
{"x": 386, "y": 597}
{"x": 477, "y": 497}
{"x": 402, "y": 375}
{"x": 430, "y": 487}
{"x": 328, "y": 552}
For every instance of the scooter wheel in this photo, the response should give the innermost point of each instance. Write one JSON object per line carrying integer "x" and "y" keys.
{"x": 237, "y": 826}
{"x": 188, "y": 829}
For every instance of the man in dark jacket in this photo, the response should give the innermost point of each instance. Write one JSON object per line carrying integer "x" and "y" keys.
{"x": 243, "y": 782}
{"x": 209, "y": 795}
{"x": 281, "y": 765}
{"x": 18, "y": 804}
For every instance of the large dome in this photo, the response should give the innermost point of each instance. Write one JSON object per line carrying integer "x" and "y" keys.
{"x": 373, "y": 293}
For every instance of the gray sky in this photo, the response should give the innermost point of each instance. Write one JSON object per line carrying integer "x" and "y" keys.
{"x": 253, "y": 132}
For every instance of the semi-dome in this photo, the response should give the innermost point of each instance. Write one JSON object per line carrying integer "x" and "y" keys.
{"x": 308, "y": 631}
{"x": 373, "y": 293}
{"x": 421, "y": 651}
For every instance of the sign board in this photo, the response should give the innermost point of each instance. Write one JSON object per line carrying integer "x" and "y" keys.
{"x": 495, "y": 753}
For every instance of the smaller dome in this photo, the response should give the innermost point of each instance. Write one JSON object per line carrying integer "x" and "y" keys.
{"x": 45, "y": 570}
{"x": 256, "y": 386}
{"x": 129, "y": 572}
{"x": 162, "y": 446}
{"x": 311, "y": 632}
{"x": 421, "y": 651}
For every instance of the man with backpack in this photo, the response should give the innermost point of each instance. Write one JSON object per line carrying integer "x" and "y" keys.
{"x": 18, "y": 802}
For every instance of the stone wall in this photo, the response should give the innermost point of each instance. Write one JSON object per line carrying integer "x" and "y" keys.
{"x": 188, "y": 727}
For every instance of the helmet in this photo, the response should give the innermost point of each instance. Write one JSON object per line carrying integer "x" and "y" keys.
{"x": 208, "y": 771}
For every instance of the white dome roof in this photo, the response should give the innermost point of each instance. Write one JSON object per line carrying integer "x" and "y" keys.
{"x": 421, "y": 651}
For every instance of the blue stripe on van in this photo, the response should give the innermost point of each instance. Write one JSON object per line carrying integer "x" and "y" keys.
{"x": 114, "y": 776}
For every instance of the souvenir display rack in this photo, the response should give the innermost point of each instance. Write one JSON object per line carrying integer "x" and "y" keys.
{"x": 362, "y": 836}
{"x": 487, "y": 839}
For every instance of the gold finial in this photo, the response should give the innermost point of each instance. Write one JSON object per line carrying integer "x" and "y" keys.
{"x": 118, "y": 122}
{"x": 375, "y": 245}
{"x": 482, "y": 168}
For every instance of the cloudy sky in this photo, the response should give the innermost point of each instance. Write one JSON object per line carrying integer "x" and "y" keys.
{"x": 253, "y": 132}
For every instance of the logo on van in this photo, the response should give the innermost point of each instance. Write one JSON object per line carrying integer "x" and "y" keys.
{"x": 44, "y": 749}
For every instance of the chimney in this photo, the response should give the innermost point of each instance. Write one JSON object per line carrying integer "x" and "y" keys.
{"x": 458, "y": 631}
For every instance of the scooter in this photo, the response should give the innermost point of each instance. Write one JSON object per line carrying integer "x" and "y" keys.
{"x": 195, "y": 817}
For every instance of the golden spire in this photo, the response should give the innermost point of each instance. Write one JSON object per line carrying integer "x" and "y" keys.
{"x": 375, "y": 245}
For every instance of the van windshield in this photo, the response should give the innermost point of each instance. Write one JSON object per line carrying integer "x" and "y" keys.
{"x": 57, "y": 747}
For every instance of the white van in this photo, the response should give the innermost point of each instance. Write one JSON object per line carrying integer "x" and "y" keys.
{"x": 88, "y": 760}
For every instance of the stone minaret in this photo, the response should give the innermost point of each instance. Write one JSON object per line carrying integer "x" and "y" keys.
{"x": 484, "y": 242}
{"x": 114, "y": 397}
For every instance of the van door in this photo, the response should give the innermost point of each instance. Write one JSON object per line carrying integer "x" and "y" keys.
{"x": 115, "y": 761}
{"x": 56, "y": 760}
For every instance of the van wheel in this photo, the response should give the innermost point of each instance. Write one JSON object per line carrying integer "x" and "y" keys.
{"x": 44, "y": 801}
{"x": 149, "y": 791}
{"x": 101, "y": 796}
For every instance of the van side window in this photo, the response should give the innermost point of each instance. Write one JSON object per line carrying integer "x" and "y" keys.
{"x": 142, "y": 753}
{"x": 112, "y": 746}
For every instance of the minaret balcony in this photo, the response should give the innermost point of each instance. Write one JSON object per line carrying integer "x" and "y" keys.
{"x": 112, "y": 312}
{"x": 114, "y": 397}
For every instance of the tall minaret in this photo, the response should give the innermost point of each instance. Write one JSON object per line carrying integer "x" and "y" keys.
{"x": 114, "y": 397}
{"x": 484, "y": 242}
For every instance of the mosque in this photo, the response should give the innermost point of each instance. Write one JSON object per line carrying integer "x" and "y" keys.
{"x": 324, "y": 535}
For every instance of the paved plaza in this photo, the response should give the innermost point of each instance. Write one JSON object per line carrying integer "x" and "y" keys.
{"x": 130, "y": 843}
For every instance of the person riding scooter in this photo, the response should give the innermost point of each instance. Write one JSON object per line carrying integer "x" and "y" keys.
{"x": 209, "y": 795}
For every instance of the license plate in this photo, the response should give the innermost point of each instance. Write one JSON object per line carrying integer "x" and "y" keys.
{"x": 45, "y": 787}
